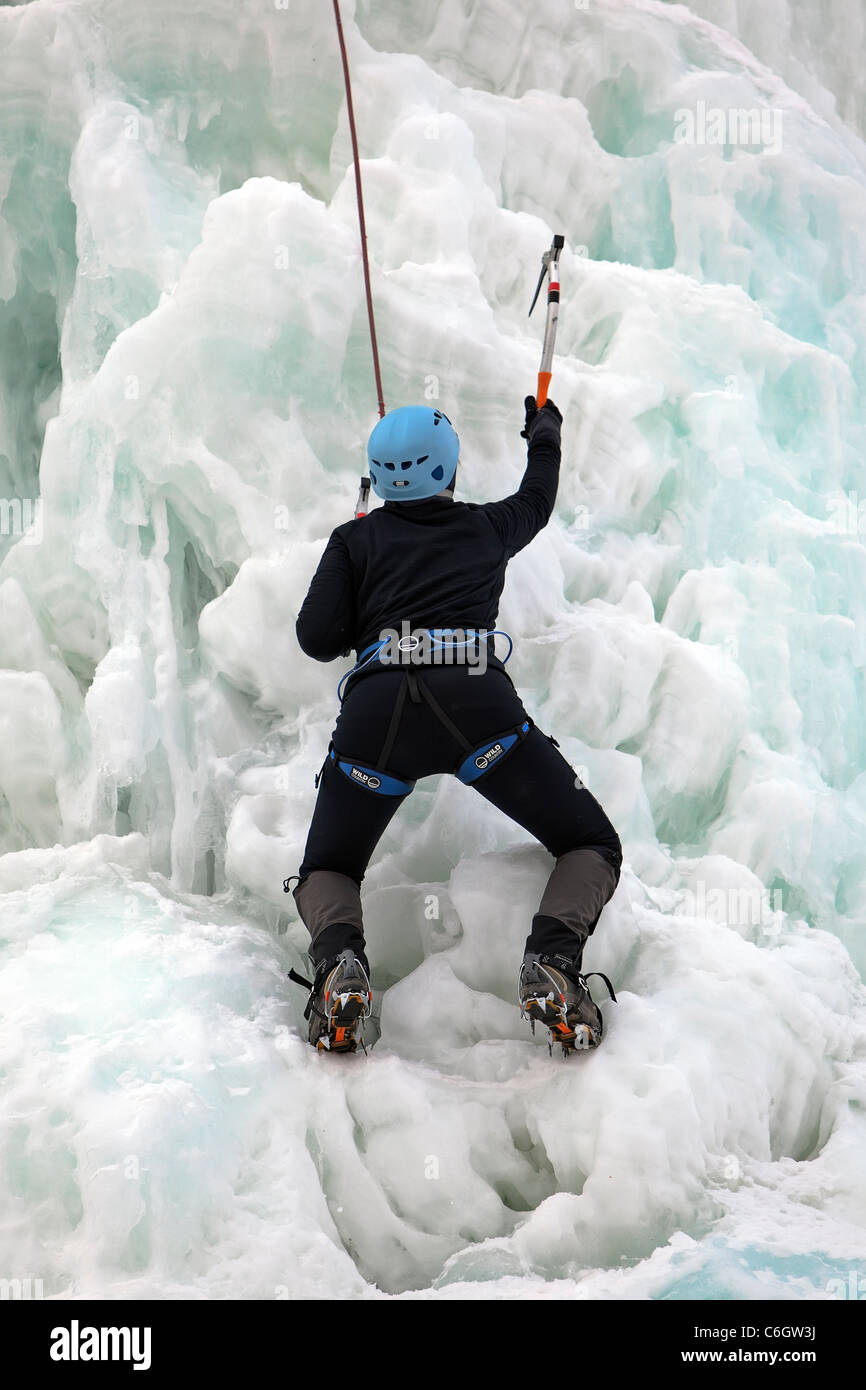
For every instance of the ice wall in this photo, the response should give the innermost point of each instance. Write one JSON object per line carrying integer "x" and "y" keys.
{"x": 815, "y": 47}
{"x": 185, "y": 393}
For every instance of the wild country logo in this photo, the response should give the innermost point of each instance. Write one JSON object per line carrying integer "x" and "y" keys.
{"x": 368, "y": 780}
{"x": 76, "y": 1343}
{"x": 485, "y": 759}
{"x": 438, "y": 646}
{"x": 714, "y": 126}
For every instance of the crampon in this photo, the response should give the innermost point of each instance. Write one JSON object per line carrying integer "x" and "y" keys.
{"x": 340, "y": 1002}
{"x": 553, "y": 992}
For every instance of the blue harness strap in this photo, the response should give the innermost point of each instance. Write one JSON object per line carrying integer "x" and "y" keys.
{"x": 490, "y": 754}
{"x": 442, "y": 639}
{"x": 474, "y": 763}
{"x": 371, "y": 779}
{"x": 365, "y": 657}
{"x": 377, "y": 779}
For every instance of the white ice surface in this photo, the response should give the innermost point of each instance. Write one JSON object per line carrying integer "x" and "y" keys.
{"x": 186, "y": 390}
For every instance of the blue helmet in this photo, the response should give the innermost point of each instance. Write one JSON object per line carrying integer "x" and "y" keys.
{"x": 412, "y": 453}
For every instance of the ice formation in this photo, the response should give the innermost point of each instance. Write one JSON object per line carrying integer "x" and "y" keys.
{"x": 186, "y": 391}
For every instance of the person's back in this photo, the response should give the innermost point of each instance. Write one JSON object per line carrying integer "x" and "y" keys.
{"x": 431, "y": 562}
{"x": 414, "y": 587}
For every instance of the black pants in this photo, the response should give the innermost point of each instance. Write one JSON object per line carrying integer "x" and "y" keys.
{"x": 533, "y": 784}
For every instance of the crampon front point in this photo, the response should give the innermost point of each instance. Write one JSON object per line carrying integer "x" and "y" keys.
{"x": 340, "y": 1002}
{"x": 562, "y": 1003}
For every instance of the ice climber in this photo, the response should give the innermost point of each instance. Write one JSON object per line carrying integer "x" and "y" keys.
{"x": 440, "y": 701}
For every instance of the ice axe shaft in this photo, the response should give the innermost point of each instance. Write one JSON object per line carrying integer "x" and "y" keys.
{"x": 549, "y": 267}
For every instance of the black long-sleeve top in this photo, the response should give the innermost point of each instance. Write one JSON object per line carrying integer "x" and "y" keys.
{"x": 437, "y": 563}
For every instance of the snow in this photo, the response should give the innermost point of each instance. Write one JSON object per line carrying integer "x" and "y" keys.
{"x": 186, "y": 394}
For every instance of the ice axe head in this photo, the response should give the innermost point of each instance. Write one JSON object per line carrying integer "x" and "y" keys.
{"x": 550, "y": 257}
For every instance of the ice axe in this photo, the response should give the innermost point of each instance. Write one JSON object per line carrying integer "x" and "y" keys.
{"x": 550, "y": 267}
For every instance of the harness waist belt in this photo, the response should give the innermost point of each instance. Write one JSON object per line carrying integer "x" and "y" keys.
{"x": 407, "y": 650}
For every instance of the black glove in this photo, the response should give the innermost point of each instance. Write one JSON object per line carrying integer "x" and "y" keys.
{"x": 532, "y": 411}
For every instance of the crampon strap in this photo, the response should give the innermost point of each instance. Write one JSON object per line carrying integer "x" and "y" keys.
{"x": 602, "y": 976}
{"x": 299, "y": 980}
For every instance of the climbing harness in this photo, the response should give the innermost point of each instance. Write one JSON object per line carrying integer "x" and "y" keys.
{"x": 405, "y": 652}
{"x": 476, "y": 760}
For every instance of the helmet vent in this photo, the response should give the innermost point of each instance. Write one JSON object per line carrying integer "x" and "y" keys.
{"x": 422, "y": 459}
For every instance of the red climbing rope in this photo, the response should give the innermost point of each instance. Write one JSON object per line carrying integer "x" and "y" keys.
{"x": 360, "y": 208}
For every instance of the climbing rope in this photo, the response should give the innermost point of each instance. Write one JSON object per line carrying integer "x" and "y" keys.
{"x": 364, "y": 494}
